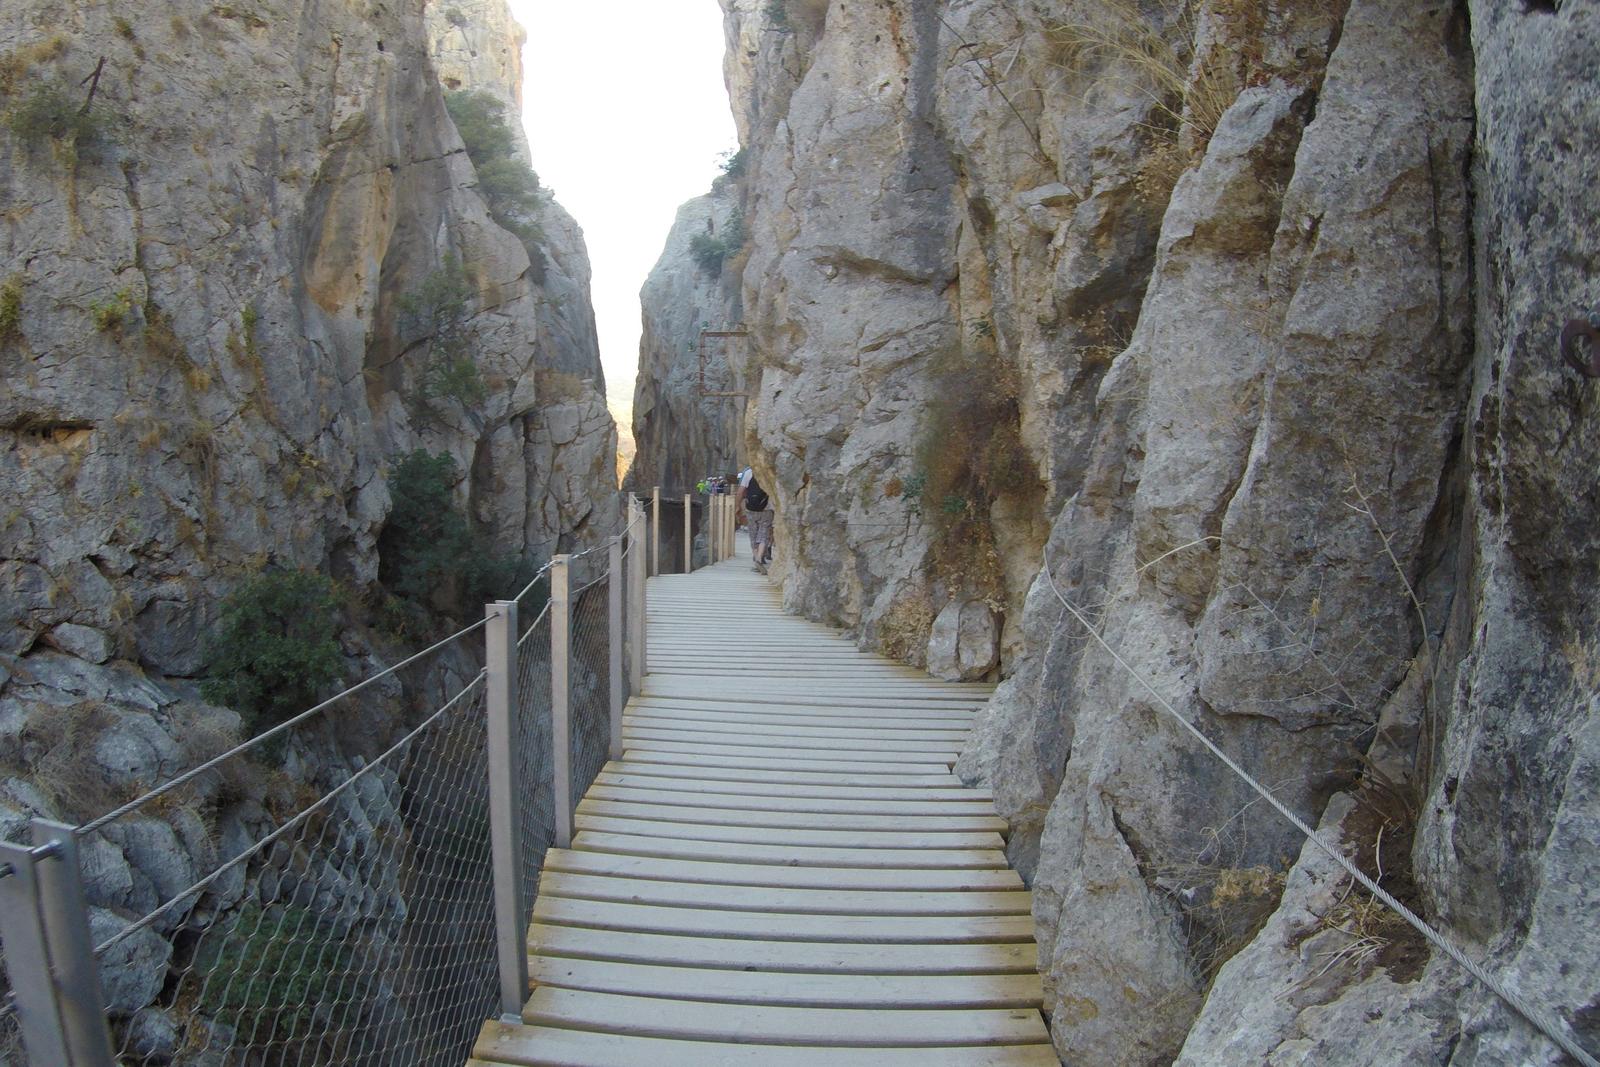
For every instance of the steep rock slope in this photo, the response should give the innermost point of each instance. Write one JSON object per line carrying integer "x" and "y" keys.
{"x": 681, "y": 433}
{"x": 212, "y": 360}
{"x": 209, "y": 368}
{"x": 1213, "y": 327}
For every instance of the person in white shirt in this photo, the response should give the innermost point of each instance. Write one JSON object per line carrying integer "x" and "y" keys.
{"x": 758, "y": 509}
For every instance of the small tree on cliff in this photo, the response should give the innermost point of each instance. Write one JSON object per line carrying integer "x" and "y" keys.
{"x": 277, "y": 646}
{"x": 510, "y": 188}
{"x": 439, "y": 311}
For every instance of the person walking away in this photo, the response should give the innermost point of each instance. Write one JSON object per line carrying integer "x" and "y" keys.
{"x": 758, "y": 512}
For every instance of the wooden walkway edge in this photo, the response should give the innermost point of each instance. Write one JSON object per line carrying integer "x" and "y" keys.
{"x": 782, "y": 869}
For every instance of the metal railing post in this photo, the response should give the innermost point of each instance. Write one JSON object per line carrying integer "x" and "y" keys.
{"x": 688, "y": 533}
{"x": 44, "y": 922}
{"x": 614, "y": 635}
{"x": 505, "y": 823}
{"x": 730, "y": 508}
{"x": 636, "y": 575}
{"x": 655, "y": 531}
{"x": 713, "y": 545}
{"x": 560, "y": 725}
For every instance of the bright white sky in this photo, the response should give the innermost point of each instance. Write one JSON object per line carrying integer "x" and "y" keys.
{"x": 626, "y": 115}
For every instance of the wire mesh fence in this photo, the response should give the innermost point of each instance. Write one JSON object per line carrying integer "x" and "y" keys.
{"x": 357, "y": 932}
{"x": 590, "y": 701}
{"x": 312, "y": 897}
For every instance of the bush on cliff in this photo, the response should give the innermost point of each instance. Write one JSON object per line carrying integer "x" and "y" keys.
{"x": 429, "y": 555}
{"x": 510, "y": 188}
{"x": 709, "y": 250}
{"x": 277, "y": 647}
{"x": 440, "y": 310}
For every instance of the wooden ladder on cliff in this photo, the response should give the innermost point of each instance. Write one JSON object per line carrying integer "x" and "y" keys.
{"x": 782, "y": 869}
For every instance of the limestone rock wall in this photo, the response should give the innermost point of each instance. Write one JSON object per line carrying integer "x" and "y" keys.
{"x": 1268, "y": 294}
{"x": 682, "y": 435}
{"x": 207, "y": 367}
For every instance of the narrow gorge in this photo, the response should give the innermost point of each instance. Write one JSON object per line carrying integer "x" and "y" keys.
{"x": 1213, "y": 377}
{"x": 1195, "y": 360}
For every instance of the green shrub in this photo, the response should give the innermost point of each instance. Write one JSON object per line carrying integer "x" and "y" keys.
{"x": 429, "y": 555}
{"x": 440, "y": 311}
{"x": 109, "y": 314}
{"x": 710, "y": 250}
{"x": 777, "y": 13}
{"x": 509, "y": 186}
{"x": 11, "y": 308}
{"x": 55, "y": 113}
{"x": 734, "y": 163}
{"x": 270, "y": 975}
{"x": 276, "y": 647}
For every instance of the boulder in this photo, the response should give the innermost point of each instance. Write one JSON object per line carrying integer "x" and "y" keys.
{"x": 964, "y": 644}
{"x": 133, "y": 970}
{"x": 85, "y": 642}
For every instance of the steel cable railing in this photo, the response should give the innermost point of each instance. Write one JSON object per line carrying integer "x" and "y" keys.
{"x": 291, "y": 902}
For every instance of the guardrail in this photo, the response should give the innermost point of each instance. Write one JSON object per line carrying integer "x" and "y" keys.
{"x": 718, "y": 522}
{"x": 375, "y": 917}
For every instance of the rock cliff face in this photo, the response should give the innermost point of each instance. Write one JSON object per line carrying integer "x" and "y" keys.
{"x": 1228, "y": 330}
{"x": 212, "y": 358}
{"x": 209, "y": 368}
{"x": 681, "y": 433}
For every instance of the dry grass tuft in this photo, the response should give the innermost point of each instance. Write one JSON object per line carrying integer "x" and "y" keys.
{"x": 1116, "y": 43}
{"x": 902, "y": 632}
{"x": 970, "y": 453}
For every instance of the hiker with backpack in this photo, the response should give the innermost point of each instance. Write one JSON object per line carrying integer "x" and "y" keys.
{"x": 758, "y": 511}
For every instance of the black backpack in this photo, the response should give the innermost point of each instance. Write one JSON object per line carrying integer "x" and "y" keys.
{"x": 755, "y": 497}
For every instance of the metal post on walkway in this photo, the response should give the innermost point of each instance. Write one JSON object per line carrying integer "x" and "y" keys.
{"x": 655, "y": 531}
{"x": 505, "y": 801}
{"x": 44, "y": 922}
{"x": 615, "y": 637}
{"x": 560, "y": 727}
{"x": 731, "y": 506}
{"x": 636, "y": 575}
{"x": 713, "y": 545}
{"x": 688, "y": 533}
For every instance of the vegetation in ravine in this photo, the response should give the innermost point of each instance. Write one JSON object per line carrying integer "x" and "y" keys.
{"x": 431, "y": 559}
{"x": 276, "y": 648}
{"x": 440, "y": 312}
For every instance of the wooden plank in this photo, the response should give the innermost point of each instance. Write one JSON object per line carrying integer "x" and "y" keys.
{"x": 778, "y": 774}
{"x": 937, "y": 822}
{"x": 736, "y": 761}
{"x": 955, "y": 805}
{"x": 500, "y": 1045}
{"x": 754, "y": 729}
{"x": 886, "y": 714}
{"x": 826, "y": 1027}
{"x": 873, "y": 992}
{"x": 948, "y": 788}
{"x": 822, "y": 856}
{"x": 785, "y": 926}
{"x": 923, "y": 881}
{"x": 798, "y": 737}
{"x": 802, "y": 836}
{"x": 765, "y": 898}
{"x": 636, "y": 747}
{"x": 814, "y": 957}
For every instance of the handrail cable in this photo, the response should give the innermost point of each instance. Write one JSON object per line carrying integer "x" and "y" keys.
{"x": 1522, "y": 1007}
{"x": 192, "y": 774}
{"x": 200, "y": 886}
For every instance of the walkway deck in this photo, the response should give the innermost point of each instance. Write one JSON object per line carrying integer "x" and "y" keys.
{"x": 781, "y": 870}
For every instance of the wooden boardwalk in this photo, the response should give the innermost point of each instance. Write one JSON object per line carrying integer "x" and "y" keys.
{"x": 781, "y": 870}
